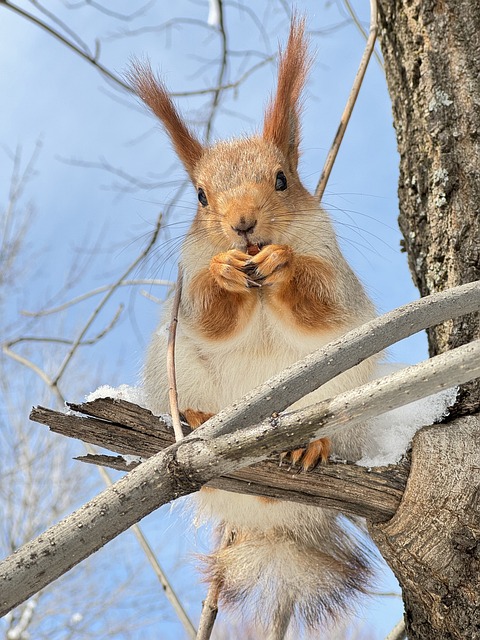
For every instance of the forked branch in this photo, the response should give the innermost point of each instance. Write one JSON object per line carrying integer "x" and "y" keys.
{"x": 212, "y": 451}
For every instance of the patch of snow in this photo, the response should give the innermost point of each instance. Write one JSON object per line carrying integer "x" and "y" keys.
{"x": 135, "y": 395}
{"x": 132, "y": 459}
{"x": 390, "y": 434}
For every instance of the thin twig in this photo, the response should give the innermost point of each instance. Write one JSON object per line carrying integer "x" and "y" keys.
{"x": 361, "y": 28}
{"x": 153, "y": 560}
{"x": 104, "y": 300}
{"x": 172, "y": 380}
{"x": 337, "y": 141}
{"x": 398, "y": 632}
{"x": 92, "y": 59}
{"x": 95, "y": 292}
{"x": 227, "y": 85}
{"x": 222, "y": 70}
{"x": 210, "y": 604}
{"x": 209, "y": 613}
{"x": 83, "y": 54}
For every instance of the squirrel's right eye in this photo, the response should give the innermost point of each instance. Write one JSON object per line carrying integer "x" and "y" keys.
{"x": 280, "y": 181}
{"x": 202, "y": 198}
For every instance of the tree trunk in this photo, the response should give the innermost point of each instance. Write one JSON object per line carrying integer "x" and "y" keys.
{"x": 432, "y": 542}
{"x": 432, "y": 64}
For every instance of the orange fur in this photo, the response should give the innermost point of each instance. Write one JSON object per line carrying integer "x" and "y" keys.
{"x": 281, "y": 124}
{"x": 196, "y": 418}
{"x": 153, "y": 92}
{"x": 300, "y": 288}
{"x": 305, "y": 296}
{"x": 221, "y": 301}
{"x": 315, "y": 452}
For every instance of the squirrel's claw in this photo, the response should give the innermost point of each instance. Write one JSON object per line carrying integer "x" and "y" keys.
{"x": 315, "y": 453}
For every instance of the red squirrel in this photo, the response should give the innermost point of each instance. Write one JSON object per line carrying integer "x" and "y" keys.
{"x": 264, "y": 284}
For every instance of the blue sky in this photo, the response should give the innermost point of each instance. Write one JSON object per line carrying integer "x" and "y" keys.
{"x": 50, "y": 94}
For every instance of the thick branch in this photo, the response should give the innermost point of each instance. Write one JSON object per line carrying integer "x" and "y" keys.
{"x": 372, "y": 493}
{"x": 185, "y": 466}
{"x": 282, "y": 390}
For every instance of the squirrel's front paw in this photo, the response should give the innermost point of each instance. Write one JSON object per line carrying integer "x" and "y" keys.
{"x": 316, "y": 452}
{"x": 229, "y": 271}
{"x": 271, "y": 265}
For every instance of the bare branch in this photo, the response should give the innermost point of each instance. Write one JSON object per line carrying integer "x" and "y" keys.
{"x": 104, "y": 300}
{"x": 68, "y": 43}
{"x": 130, "y": 430}
{"x": 221, "y": 73}
{"x": 117, "y": 80}
{"x": 96, "y": 292}
{"x": 398, "y": 632}
{"x": 352, "y": 98}
{"x": 185, "y": 466}
{"x": 282, "y": 390}
{"x": 154, "y": 563}
{"x": 361, "y": 28}
{"x": 108, "y": 12}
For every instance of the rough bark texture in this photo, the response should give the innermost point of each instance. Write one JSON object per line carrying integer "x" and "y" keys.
{"x": 432, "y": 63}
{"x": 127, "y": 429}
{"x": 432, "y": 542}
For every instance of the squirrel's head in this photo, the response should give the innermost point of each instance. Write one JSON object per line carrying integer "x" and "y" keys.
{"x": 248, "y": 189}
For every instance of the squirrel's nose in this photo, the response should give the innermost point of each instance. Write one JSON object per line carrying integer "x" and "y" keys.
{"x": 244, "y": 226}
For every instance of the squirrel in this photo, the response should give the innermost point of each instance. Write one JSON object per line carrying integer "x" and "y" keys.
{"x": 264, "y": 284}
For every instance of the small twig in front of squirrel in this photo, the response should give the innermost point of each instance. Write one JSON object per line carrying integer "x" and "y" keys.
{"x": 172, "y": 380}
{"x": 337, "y": 141}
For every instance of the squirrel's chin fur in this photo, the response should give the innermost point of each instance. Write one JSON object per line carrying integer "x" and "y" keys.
{"x": 264, "y": 284}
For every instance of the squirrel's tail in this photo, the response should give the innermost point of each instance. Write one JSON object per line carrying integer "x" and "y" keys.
{"x": 308, "y": 576}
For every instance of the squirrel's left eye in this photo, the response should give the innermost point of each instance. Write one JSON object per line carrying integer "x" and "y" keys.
{"x": 202, "y": 198}
{"x": 280, "y": 182}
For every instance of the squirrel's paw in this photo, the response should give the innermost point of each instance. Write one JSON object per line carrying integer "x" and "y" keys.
{"x": 229, "y": 271}
{"x": 315, "y": 453}
{"x": 195, "y": 418}
{"x": 271, "y": 265}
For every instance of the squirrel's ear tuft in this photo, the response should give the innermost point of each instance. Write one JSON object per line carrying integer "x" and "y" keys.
{"x": 282, "y": 125}
{"x": 155, "y": 95}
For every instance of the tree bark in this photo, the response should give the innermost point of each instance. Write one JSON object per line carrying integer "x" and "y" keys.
{"x": 432, "y": 64}
{"x": 127, "y": 429}
{"x": 432, "y": 542}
